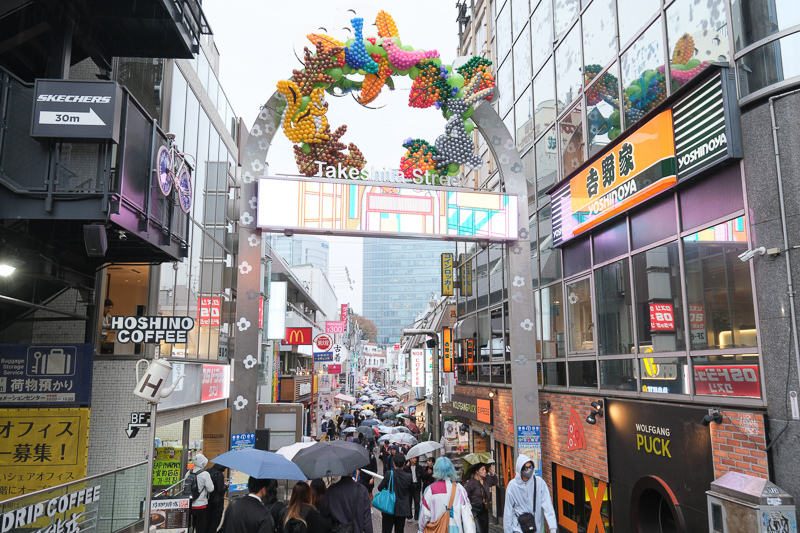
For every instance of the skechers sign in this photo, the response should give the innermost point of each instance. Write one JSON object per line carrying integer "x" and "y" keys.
{"x": 71, "y": 109}
{"x": 152, "y": 329}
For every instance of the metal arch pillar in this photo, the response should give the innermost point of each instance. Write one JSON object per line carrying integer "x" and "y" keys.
{"x": 251, "y": 250}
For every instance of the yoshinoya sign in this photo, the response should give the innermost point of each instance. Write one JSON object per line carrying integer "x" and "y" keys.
{"x": 73, "y": 109}
{"x": 473, "y": 408}
{"x": 152, "y": 329}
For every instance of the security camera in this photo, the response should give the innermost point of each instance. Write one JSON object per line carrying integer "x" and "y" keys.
{"x": 749, "y": 254}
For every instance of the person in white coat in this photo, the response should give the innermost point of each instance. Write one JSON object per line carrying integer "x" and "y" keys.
{"x": 436, "y": 499}
{"x": 205, "y": 486}
{"x": 528, "y": 493}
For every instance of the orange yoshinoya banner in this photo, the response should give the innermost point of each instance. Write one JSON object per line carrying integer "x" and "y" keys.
{"x": 640, "y": 167}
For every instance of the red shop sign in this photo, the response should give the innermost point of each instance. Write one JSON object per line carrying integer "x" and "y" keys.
{"x": 727, "y": 380}
{"x": 208, "y": 311}
{"x": 215, "y": 382}
{"x": 661, "y": 317}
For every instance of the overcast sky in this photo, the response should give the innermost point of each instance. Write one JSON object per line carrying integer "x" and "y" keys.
{"x": 257, "y": 41}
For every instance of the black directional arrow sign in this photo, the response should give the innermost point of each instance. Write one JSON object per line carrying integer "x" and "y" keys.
{"x": 138, "y": 420}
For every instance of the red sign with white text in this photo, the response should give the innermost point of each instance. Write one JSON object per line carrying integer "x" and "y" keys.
{"x": 208, "y": 311}
{"x": 334, "y": 326}
{"x": 661, "y": 317}
{"x": 297, "y": 336}
{"x": 345, "y": 312}
{"x": 727, "y": 380}
{"x": 334, "y": 369}
{"x": 215, "y": 383}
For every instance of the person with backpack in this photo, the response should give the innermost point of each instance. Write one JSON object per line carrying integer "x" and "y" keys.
{"x": 198, "y": 486}
{"x": 273, "y": 504}
{"x": 445, "y": 503}
{"x": 248, "y": 514}
{"x": 528, "y": 501}
{"x": 401, "y": 486}
{"x": 346, "y": 503}
{"x": 300, "y": 516}
{"x": 216, "y": 502}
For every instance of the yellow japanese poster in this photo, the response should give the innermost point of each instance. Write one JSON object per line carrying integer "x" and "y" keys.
{"x": 167, "y": 466}
{"x": 41, "y": 448}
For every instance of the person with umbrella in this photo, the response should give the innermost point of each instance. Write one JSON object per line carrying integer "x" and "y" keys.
{"x": 248, "y": 514}
{"x": 528, "y": 497}
{"x": 415, "y": 470}
{"x": 401, "y": 486}
{"x": 478, "y": 497}
{"x": 444, "y": 495}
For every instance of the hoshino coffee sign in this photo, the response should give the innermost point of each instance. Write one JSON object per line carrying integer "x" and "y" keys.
{"x": 152, "y": 329}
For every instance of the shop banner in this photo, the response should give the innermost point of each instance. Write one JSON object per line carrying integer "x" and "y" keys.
{"x": 447, "y": 350}
{"x": 478, "y": 409}
{"x": 242, "y": 441}
{"x": 322, "y": 343}
{"x": 215, "y": 382}
{"x": 345, "y": 312}
{"x": 41, "y": 448}
{"x": 429, "y": 372}
{"x": 637, "y": 169}
{"x": 332, "y": 369}
{"x": 208, "y": 311}
{"x": 529, "y": 442}
{"x": 417, "y": 368}
{"x": 334, "y": 327}
{"x": 167, "y": 466}
{"x": 297, "y": 336}
{"x": 59, "y": 514}
{"x": 327, "y": 382}
{"x": 339, "y": 354}
{"x": 447, "y": 274}
{"x": 41, "y": 375}
{"x": 322, "y": 357}
{"x": 727, "y": 380}
{"x": 170, "y": 516}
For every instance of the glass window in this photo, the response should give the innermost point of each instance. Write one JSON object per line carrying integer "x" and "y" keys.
{"x": 544, "y": 96}
{"x": 653, "y": 224}
{"x": 659, "y": 304}
{"x": 602, "y": 110}
{"x": 542, "y": 32}
{"x": 769, "y": 64}
{"x": 711, "y": 198}
{"x": 643, "y": 75}
{"x": 552, "y": 322}
{"x": 534, "y": 252}
{"x": 482, "y": 279}
{"x": 611, "y": 242}
{"x": 632, "y": 16}
{"x": 570, "y": 128}
{"x": 484, "y": 334}
{"x": 549, "y": 258}
{"x": 177, "y": 110}
{"x": 523, "y": 112}
{"x": 519, "y": 16}
{"x": 599, "y": 35}
{"x": 522, "y": 60}
{"x": 664, "y": 375}
{"x": 577, "y": 256}
{"x": 754, "y": 20}
{"x": 497, "y": 344}
{"x": 580, "y": 322}
{"x": 537, "y": 304}
{"x": 505, "y": 80}
{"x": 727, "y": 375}
{"x": 555, "y": 374}
{"x": 698, "y": 36}
{"x": 612, "y": 285}
{"x": 125, "y": 289}
{"x": 618, "y": 374}
{"x": 718, "y": 287}
{"x": 583, "y": 374}
{"x": 503, "y": 38}
{"x": 568, "y": 69}
{"x": 496, "y": 273}
{"x": 546, "y": 174}
{"x": 565, "y": 12}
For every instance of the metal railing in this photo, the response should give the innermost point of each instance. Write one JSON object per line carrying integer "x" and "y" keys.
{"x": 119, "y": 506}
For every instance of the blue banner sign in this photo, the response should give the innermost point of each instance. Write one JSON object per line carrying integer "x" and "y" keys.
{"x": 321, "y": 357}
{"x": 46, "y": 374}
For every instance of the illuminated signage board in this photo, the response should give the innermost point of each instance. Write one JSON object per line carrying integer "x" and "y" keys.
{"x": 299, "y": 336}
{"x": 473, "y": 408}
{"x": 417, "y": 368}
{"x": 363, "y": 209}
{"x": 447, "y": 350}
{"x": 447, "y": 274}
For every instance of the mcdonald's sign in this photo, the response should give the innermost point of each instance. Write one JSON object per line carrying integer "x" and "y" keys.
{"x": 298, "y": 336}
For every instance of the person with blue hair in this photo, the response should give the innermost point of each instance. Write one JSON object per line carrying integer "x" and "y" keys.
{"x": 437, "y": 498}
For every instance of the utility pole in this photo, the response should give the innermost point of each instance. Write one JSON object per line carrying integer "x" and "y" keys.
{"x": 437, "y": 395}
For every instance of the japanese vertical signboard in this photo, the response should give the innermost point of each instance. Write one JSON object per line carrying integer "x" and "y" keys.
{"x": 417, "y": 368}
{"x": 447, "y": 274}
{"x": 208, "y": 311}
{"x": 447, "y": 350}
{"x": 41, "y": 448}
{"x": 529, "y": 442}
{"x": 429, "y": 374}
{"x": 466, "y": 277}
{"x": 345, "y": 313}
{"x": 46, "y": 374}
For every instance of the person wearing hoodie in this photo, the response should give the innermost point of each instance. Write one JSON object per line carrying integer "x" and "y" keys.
{"x": 216, "y": 501}
{"x": 528, "y": 493}
{"x": 205, "y": 486}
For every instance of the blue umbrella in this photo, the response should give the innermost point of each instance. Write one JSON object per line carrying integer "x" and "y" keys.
{"x": 260, "y": 464}
{"x": 370, "y": 423}
{"x": 348, "y": 416}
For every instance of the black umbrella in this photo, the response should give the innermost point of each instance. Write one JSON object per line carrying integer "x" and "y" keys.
{"x": 331, "y": 458}
{"x": 388, "y": 414}
{"x": 369, "y": 432}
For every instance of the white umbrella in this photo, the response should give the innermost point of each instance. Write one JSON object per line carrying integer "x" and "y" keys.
{"x": 291, "y": 450}
{"x": 328, "y": 413}
{"x": 368, "y": 412}
{"x": 402, "y": 438}
{"x": 423, "y": 448}
{"x": 358, "y": 406}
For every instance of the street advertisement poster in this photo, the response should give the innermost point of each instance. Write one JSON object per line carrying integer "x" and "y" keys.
{"x": 326, "y": 401}
{"x": 417, "y": 367}
{"x": 40, "y": 375}
{"x": 529, "y": 442}
{"x": 240, "y": 442}
{"x": 41, "y": 448}
{"x": 56, "y": 511}
{"x": 326, "y": 382}
{"x": 215, "y": 383}
{"x": 167, "y": 466}
{"x": 170, "y": 516}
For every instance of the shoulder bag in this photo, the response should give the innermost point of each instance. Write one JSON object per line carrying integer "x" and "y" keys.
{"x": 442, "y": 525}
{"x": 527, "y": 521}
{"x": 385, "y": 499}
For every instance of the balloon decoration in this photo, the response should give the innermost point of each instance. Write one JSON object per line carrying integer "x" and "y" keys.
{"x": 334, "y": 68}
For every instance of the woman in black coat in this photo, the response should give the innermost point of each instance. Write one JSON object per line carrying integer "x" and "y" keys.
{"x": 402, "y": 491}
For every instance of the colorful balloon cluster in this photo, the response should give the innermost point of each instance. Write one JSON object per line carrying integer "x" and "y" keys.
{"x": 377, "y": 59}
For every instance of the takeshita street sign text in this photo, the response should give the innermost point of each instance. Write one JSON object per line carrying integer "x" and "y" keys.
{"x": 338, "y": 207}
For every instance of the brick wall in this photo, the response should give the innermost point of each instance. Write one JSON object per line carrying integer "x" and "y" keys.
{"x": 739, "y": 444}
{"x": 502, "y": 410}
{"x": 593, "y": 458}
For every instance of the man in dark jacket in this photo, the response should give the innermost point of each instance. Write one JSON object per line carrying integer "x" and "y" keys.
{"x": 247, "y": 514}
{"x": 416, "y": 471}
{"x": 427, "y": 474}
{"x": 216, "y": 500}
{"x": 402, "y": 492}
{"x": 346, "y": 502}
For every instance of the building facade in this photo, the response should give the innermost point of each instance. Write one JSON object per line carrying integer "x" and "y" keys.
{"x": 664, "y": 303}
{"x": 302, "y": 250}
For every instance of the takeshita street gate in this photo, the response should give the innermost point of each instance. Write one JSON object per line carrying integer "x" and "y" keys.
{"x": 362, "y": 67}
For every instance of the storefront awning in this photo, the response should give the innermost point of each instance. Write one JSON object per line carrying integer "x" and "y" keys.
{"x": 345, "y": 398}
